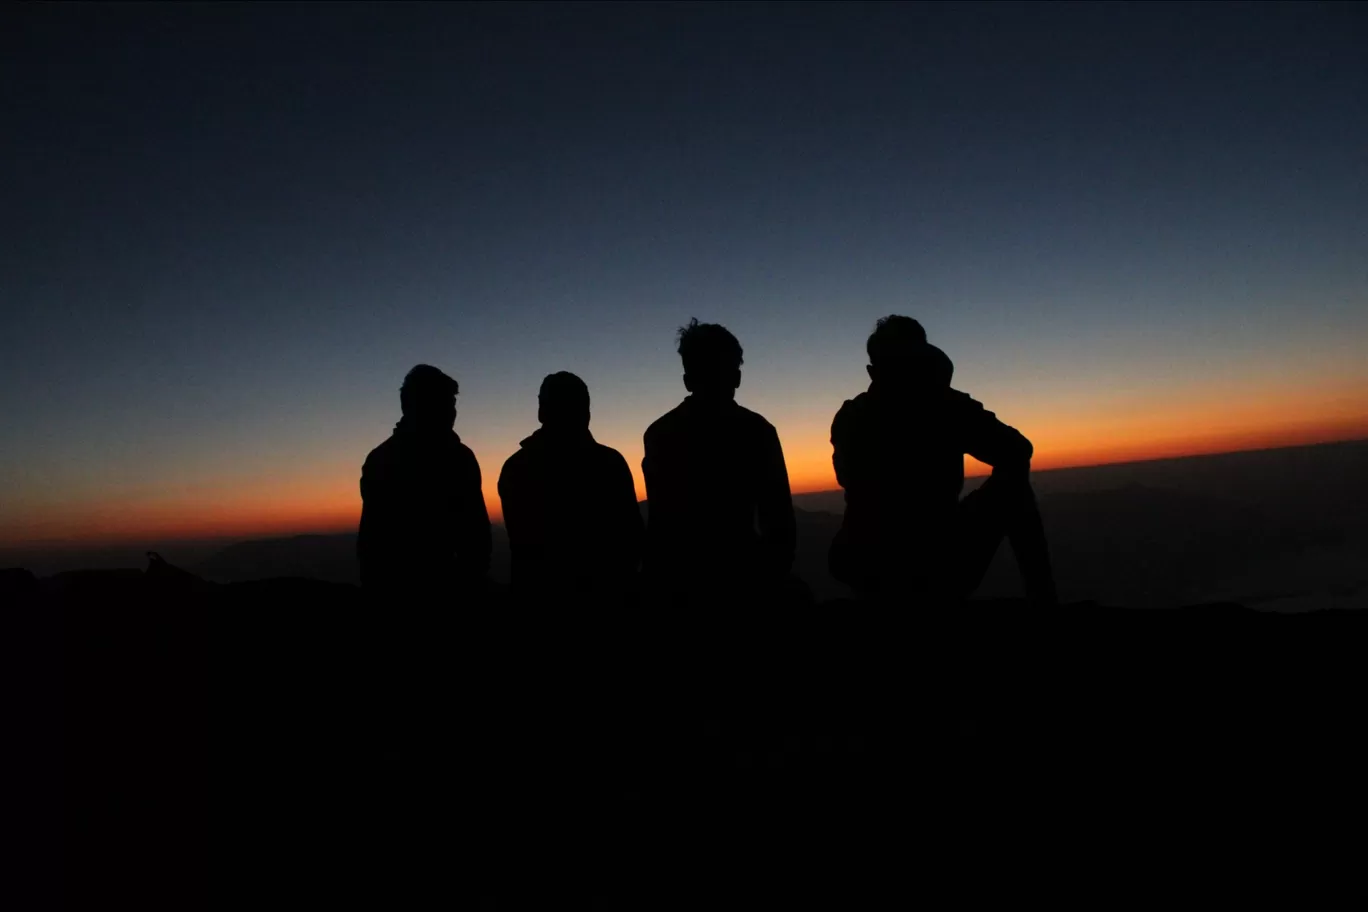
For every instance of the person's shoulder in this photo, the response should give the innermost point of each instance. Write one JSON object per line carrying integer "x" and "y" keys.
{"x": 851, "y": 409}
{"x": 515, "y": 463}
{"x": 753, "y": 421}
{"x": 606, "y": 462}
{"x": 461, "y": 453}
{"x": 380, "y": 456}
{"x": 857, "y": 403}
{"x": 666, "y": 422}
{"x": 607, "y": 455}
{"x": 963, "y": 403}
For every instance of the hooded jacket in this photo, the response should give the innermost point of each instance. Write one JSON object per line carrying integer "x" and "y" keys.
{"x": 570, "y": 507}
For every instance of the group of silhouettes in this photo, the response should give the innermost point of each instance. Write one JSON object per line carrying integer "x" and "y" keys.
{"x": 720, "y": 526}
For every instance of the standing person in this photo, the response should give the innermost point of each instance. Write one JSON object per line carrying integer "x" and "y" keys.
{"x": 570, "y": 506}
{"x": 898, "y": 450}
{"x": 424, "y": 532}
{"x": 719, "y": 512}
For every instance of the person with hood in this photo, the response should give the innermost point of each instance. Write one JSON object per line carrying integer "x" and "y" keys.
{"x": 570, "y": 506}
{"x": 898, "y": 450}
{"x": 424, "y": 534}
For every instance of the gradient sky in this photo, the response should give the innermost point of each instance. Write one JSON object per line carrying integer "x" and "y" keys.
{"x": 1139, "y": 230}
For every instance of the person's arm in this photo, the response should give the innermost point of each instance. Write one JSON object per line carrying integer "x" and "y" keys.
{"x": 774, "y": 505}
{"x": 842, "y": 452}
{"x": 655, "y": 545}
{"x": 648, "y": 474}
{"x": 989, "y": 440}
{"x": 633, "y": 529}
{"x": 475, "y": 541}
{"x": 509, "y": 504}
{"x": 373, "y": 550}
{"x": 365, "y": 531}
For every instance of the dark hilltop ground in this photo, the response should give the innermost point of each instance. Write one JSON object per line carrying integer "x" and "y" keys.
{"x": 269, "y": 741}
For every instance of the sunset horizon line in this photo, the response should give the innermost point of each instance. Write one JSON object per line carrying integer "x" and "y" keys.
{"x": 340, "y": 524}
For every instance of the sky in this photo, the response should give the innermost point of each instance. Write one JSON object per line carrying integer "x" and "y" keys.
{"x": 1139, "y": 230}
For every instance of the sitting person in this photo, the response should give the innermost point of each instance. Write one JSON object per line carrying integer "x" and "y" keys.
{"x": 898, "y": 450}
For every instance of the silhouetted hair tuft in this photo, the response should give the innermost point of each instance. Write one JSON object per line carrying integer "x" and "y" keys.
{"x": 708, "y": 348}
{"x": 894, "y": 337}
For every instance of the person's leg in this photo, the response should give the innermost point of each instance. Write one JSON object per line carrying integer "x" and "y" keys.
{"x": 1026, "y": 534}
{"x": 1004, "y": 506}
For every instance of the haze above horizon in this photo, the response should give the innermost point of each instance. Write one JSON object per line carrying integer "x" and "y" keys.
{"x": 1140, "y": 231}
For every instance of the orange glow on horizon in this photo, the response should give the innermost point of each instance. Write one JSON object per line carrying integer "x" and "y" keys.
{"x": 321, "y": 506}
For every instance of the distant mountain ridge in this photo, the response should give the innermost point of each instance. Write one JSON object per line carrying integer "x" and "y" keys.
{"x": 325, "y": 557}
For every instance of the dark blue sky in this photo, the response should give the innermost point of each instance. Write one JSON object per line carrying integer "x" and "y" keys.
{"x": 230, "y": 229}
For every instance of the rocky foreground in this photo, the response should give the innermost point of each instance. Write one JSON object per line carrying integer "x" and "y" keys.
{"x": 277, "y": 742}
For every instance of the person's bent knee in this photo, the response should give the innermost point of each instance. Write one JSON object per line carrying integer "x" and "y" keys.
{"x": 1004, "y": 487}
{"x": 1012, "y": 473}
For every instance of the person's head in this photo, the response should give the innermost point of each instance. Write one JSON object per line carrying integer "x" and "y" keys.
{"x": 900, "y": 358}
{"x": 712, "y": 360}
{"x": 563, "y": 402}
{"x": 428, "y": 396}
{"x": 935, "y": 369}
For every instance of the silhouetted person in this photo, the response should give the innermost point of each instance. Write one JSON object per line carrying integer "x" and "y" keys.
{"x": 719, "y": 516}
{"x": 424, "y": 527}
{"x": 899, "y": 452}
{"x": 570, "y": 505}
